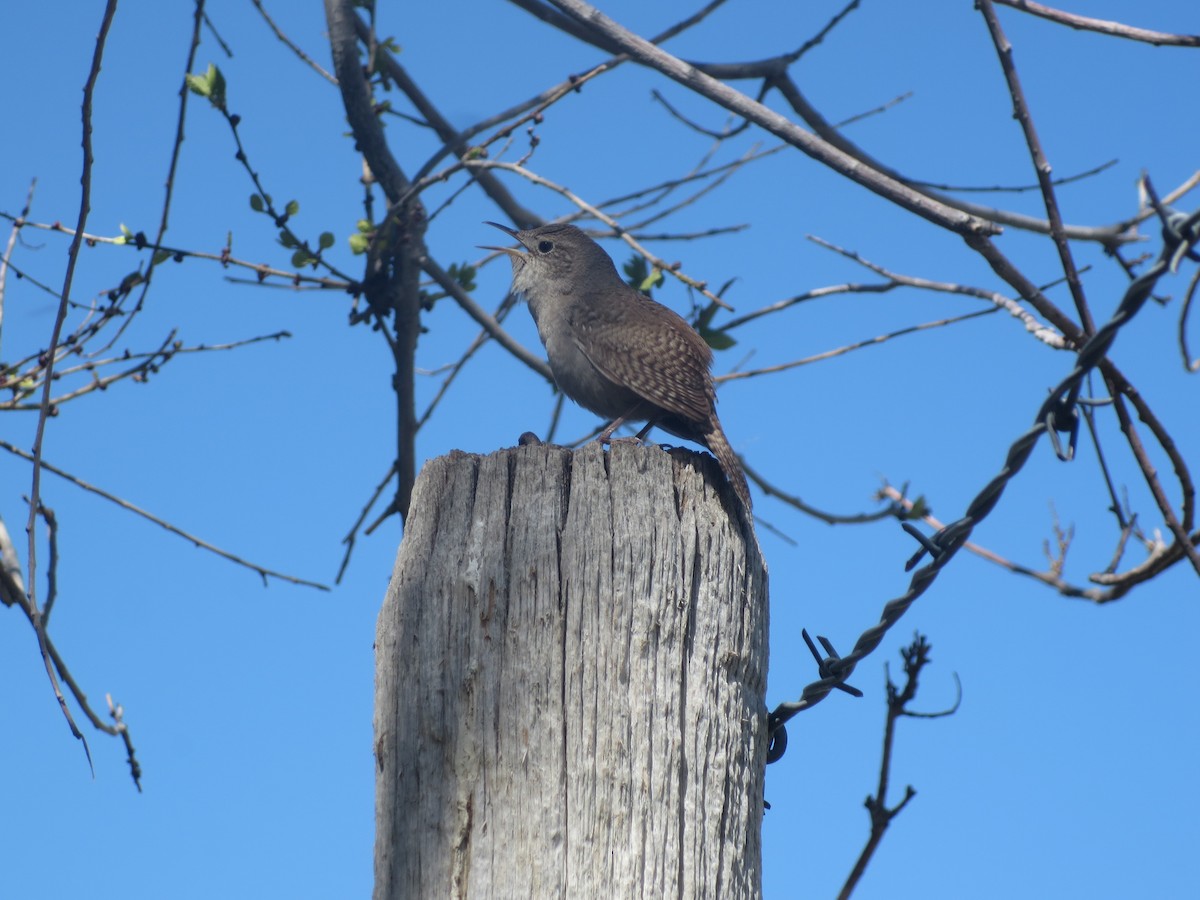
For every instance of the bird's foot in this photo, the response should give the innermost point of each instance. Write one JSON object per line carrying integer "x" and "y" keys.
{"x": 608, "y": 441}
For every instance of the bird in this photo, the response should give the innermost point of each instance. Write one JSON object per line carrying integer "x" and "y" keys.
{"x": 614, "y": 350}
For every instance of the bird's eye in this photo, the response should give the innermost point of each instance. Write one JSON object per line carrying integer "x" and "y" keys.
{"x": 545, "y": 246}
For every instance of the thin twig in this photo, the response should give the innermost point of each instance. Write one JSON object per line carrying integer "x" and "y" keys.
{"x": 916, "y": 657}
{"x": 480, "y": 315}
{"x": 10, "y": 246}
{"x": 548, "y": 96}
{"x": 291, "y": 45}
{"x": 352, "y": 534}
{"x": 1017, "y": 188}
{"x": 857, "y": 345}
{"x": 1039, "y": 330}
{"x": 51, "y": 521}
{"x": 1117, "y": 383}
{"x": 263, "y": 571}
{"x": 1041, "y": 165}
{"x": 1189, "y": 364}
{"x": 1150, "y": 473}
{"x": 172, "y": 168}
{"x": 794, "y": 501}
{"x": 140, "y": 242}
{"x": 1050, "y": 579}
{"x": 663, "y": 188}
{"x": 618, "y": 229}
{"x": 1104, "y": 26}
{"x": 89, "y": 89}
{"x": 26, "y": 383}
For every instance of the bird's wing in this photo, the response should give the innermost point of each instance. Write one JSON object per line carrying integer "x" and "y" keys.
{"x": 648, "y": 348}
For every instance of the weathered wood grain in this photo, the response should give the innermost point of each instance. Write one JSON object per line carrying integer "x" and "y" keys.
{"x": 570, "y": 681}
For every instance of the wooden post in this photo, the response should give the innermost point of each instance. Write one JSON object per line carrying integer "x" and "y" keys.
{"x": 570, "y": 681}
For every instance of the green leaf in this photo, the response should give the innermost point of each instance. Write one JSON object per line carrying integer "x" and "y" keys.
{"x": 160, "y": 256}
{"x": 364, "y": 226}
{"x": 464, "y": 275}
{"x": 718, "y": 340}
{"x": 326, "y": 240}
{"x": 635, "y": 270}
{"x": 639, "y": 275}
{"x": 653, "y": 280}
{"x": 302, "y": 258}
{"x": 217, "y": 80}
{"x": 359, "y": 243}
{"x": 292, "y": 208}
{"x": 287, "y": 240}
{"x": 211, "y": 85}
{"x": 198, "y": 84}
{"x": 130, "y": 281}
{"x": 256, "y": 203}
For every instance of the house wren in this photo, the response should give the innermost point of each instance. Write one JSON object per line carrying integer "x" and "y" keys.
{"x": 612, "y": 349}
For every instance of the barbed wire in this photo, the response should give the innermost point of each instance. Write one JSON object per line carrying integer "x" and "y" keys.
{"x": 1057, "y": 415}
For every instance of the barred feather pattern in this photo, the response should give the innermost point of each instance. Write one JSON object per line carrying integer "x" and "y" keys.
{"x": 612, "y": 349}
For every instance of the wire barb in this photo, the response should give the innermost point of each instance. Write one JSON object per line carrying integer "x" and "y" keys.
{"x": 1057, "y": 415}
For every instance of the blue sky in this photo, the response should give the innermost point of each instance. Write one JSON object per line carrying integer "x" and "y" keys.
{"x": 1069, "y": 769}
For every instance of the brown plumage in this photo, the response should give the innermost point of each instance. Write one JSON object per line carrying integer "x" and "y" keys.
{"x": 612, "y": 349}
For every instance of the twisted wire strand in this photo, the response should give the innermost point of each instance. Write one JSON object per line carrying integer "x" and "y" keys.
{"x": 1057, "y": 414}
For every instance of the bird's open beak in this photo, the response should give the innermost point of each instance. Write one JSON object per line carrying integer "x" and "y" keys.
{"x": 509, "y": 250}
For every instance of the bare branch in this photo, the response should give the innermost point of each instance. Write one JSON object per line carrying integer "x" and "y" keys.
{"x": 1183, "y": 541}
{"x": 291, "y": 45}
{"x": 916, "y": 657}
{"x": 1017, "y": 188}
{"x": 89, "y": 89}
{"x": 27, "y": 382}
{"x": 178, "y": 254}
{"x": 1118, "y": 585}
{"x": 352, "y": 535}
{"x": 10, "y": 246}
{"x": 397, "y": 252}
{"x": 1039, "y": 330}
{"x": 619, "y": 230}
{"x": 664, "y": 188}
{"x": 1040, "y": 164}
{"x": 344, "y": 25}
{"x": 263, "y": 571}
{"x": 480, "y": 315}
{"x": 849, "y": 348}
{"x": 1189, "y": 364}
{"x": 1117, "y": 383}
{"x": 824, "y": 152}
{"x": 51, "y": 521}
{"x": 1104, "y": 26}
{"x": 176, "y": 147}
{"x": 445, "y": 131}
{"x": 794, "y": 501}
{"x": 1109, "y": 235}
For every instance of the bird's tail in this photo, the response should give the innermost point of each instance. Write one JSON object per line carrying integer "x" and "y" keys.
{"x": 719, "y": 445}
